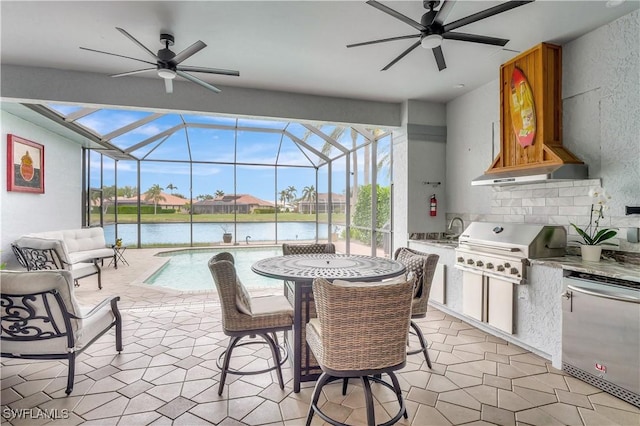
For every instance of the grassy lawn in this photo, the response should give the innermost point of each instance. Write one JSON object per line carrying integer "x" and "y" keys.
{"x": 337, "y": 218}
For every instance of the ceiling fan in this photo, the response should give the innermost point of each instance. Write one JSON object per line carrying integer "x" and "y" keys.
{"x": 433, "y": 29}
{"x": 167, "y": 63}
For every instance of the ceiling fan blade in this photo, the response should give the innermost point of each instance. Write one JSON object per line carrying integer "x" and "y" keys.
{"x": 486, "y": 14}
{"x": 142, "y": 46}
{"x": 198, "y": 81}
{"x": 396, "y": 15}
{"x": 384, "y": 40}
{"x": 476, "y": 38}
{"x": 115, "y": 54}
{"x": 122, "y": 74}
{"x": 402, "y": 55}
{"x": 445, "y": 8}
{"x": 168, "y": 85}
{"x": 191, "y": 50}
{"x": 437, "y": 53}
{"x": 210, "y": 70}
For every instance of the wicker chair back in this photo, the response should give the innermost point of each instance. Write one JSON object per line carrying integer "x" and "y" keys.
{"x": 224, "y": 275}
{"x": 424, "y": 276}
{"x": 289, "y": 249}
{"x": 362, "y": 327}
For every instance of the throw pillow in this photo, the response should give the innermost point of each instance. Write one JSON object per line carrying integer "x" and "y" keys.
{"x": 243, "y": 300}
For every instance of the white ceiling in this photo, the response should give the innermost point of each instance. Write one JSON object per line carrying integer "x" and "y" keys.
{"x": 295, "y": 46}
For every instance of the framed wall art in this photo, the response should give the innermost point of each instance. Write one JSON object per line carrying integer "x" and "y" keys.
{"x": 25, "y": 165}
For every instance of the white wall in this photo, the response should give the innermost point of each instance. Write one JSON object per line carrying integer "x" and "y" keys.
{"x": 601, "y": 125}
{"x": 418, "y": 156}
{"x": 59, "y": 207}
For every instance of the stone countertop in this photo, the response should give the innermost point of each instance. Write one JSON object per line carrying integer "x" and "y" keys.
{"x": 606, "y": 268}
{"x": 437, "y": 243}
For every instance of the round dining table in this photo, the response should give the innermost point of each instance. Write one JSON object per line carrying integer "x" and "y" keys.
{"x": 298, "y": 272}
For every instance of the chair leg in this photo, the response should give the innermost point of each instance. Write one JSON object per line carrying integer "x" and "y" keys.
{"x": 71, "y": 373}
{"x": 322, "y": 380}
{"x": 99, "y": 275}
{"x": 275, "y": 351}
{"x": 345, "y": 383}
{"x": 396, "y": 388}
{"x": 368, "y": 398}
{"x": 423, "y": 343}
{"x": 225, "y": 366}
{"x": 118, "y": 317}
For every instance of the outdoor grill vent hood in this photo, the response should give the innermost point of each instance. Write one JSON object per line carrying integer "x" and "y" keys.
{"x": 536, "y": 174}
{"x": 531, "y": 122}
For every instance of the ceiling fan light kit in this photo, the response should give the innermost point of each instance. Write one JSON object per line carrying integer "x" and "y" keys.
{"x": 167, "y": 64}
{"x": 431, "y": 41}
{"x": 432, "y": 29}
{"x": 166, "y": 73}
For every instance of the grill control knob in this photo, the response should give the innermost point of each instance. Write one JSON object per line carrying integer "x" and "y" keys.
{"x": 500, "y": 268}
{"x": 460, "y": 259}
{"x": 489, "y": 265}
{"x": 507, "y": 265}
{"x": 514, "y": 271}
{"x": 470, "y": 261}
{"x": 479, "y": 263}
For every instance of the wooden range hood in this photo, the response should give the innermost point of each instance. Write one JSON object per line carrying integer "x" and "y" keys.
{"x": 544, "y": 158}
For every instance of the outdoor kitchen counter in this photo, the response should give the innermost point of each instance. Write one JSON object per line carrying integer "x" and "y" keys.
{"x": 605, "y": 268}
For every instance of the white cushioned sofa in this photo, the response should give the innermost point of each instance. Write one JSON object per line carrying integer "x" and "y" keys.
{"x": 76, "y": 250}
{"x": 81, "y": 245}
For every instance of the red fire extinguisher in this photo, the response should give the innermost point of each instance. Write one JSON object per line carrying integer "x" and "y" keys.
{"x": 433, "y": 206}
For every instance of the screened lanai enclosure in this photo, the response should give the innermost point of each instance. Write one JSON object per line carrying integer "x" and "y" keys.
{"x": 168, "y": 179}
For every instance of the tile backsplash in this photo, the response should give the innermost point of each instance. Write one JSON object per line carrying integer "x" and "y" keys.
{"x": 553, "y": 203}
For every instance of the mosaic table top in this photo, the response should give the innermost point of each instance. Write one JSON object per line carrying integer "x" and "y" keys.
{"x": 306, "y": 267}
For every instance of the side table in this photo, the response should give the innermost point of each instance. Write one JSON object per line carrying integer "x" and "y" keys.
{"x": 118, "y": 256}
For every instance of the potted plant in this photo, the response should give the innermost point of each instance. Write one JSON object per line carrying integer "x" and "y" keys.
{"x": 226, "y": 236}
{"x": 592, "y": 237}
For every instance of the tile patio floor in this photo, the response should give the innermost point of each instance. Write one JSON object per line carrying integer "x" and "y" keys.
{"x": 167, "y": 374}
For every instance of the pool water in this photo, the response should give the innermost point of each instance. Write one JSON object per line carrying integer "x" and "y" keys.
{"x": 188, "y": 270}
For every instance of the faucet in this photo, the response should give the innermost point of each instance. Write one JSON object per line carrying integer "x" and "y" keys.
{"x": 459, "y": 219}
{"x": 247, "y": 238}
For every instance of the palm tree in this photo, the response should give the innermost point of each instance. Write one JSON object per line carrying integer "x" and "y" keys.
{"x": 171, "y": 187}
{"x": 309, "y": 194}
{"x": 154, "y": 194}
{"x": 283, "y": 196}
{"x": 219, "y": 193}
{"x": 291, "y": 193}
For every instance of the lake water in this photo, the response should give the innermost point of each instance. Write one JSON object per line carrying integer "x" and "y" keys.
{"x": 208, "y": 233}
{"x": 188, "y": 270}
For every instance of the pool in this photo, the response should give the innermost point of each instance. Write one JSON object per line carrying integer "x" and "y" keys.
{"x": 188, "y": 270}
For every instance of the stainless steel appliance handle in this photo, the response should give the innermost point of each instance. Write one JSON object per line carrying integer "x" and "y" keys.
{"x": 604, "y": 294}
{"x": 468, "y": 269}
{"x": 490, "y": 246}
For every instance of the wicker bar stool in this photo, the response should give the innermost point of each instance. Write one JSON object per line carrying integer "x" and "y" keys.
{"x": 243, "y": 316}
{"x": 361, "y": 331}
{"x": 423, "y": 265}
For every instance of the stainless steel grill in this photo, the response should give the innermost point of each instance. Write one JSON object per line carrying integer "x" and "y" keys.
{"x": 503, "y": 250}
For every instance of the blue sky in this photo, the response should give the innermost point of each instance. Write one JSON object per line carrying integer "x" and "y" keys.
{"x": 260, "y": 149}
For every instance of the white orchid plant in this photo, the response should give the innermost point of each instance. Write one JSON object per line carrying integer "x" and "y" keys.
{"x": 591, "y": 235}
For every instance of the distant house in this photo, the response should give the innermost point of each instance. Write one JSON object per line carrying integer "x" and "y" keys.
{"x": 239, "y": 203}
{"x": 170, "y": 202}
{"x": 338, "y": 204}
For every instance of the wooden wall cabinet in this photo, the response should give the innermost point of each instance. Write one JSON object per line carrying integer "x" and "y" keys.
{"x": 542, "y": 66}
